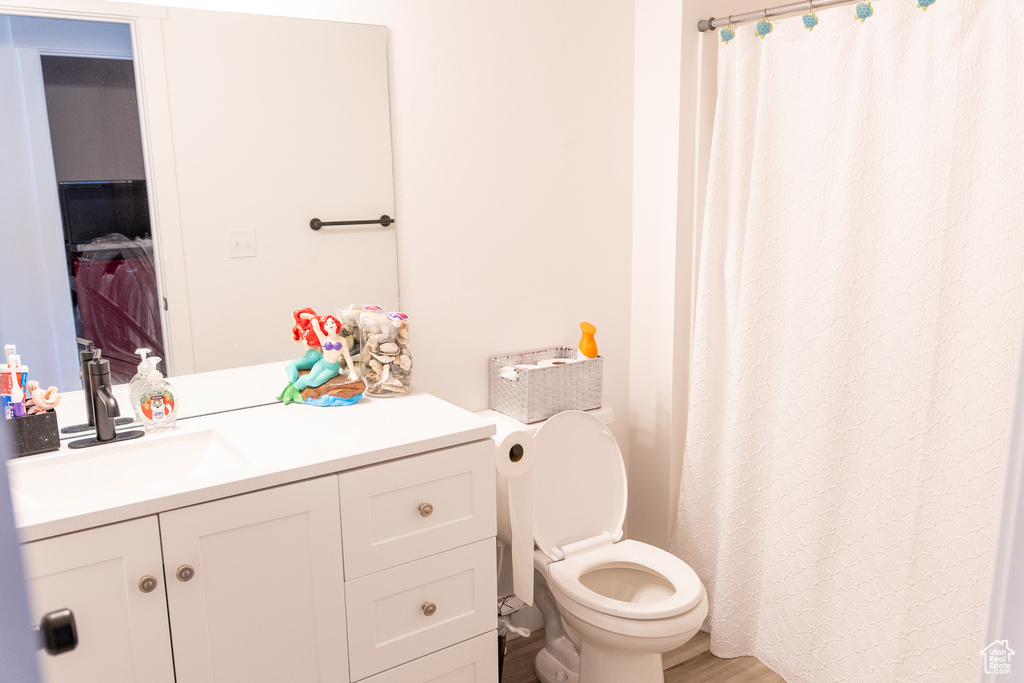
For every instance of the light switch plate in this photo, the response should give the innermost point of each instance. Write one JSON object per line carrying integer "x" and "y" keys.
{"x": 241, "y": 243}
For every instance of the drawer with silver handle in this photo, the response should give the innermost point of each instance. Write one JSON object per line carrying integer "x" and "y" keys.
{"x": 471, "y": 661}
{"x": 407, "y": 509}
{"x": 399, "y": 614}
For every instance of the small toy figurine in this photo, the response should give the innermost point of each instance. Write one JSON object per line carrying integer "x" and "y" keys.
{"x": 334, "y": 347}
{"x": 325, "y": 348}
{"x": 302, "y": 332}
{"x": 42, "y": 399}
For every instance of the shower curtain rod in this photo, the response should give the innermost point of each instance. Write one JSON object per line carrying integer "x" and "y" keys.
{"x": 748, "y": 17}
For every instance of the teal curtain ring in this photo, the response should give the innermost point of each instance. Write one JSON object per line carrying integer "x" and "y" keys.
{"x": 925, "y": 4}
{"x": 810, "y": 19}
{"x": 764, "y": 27}
{"x": 864, "y": 10}
{"x": 727, "y": 33}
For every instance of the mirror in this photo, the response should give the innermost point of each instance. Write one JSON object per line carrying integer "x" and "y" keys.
{"x": 250, "y": 127}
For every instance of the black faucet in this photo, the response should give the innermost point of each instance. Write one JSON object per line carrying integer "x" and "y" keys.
{"x": 100, "y": 406}
{"x": 104, "y": 405}
{"x": 103, "y": 409}
{"x": 88, "y": 354}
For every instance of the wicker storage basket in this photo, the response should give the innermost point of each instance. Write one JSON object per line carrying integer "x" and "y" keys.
{"x": 535, "y": 394}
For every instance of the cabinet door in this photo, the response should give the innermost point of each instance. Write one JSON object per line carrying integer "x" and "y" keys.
{"x": 265, "y": 600}
{"x": 122, "y": 631}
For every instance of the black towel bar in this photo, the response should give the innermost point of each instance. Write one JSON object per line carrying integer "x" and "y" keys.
{"x": 384, "y": 220}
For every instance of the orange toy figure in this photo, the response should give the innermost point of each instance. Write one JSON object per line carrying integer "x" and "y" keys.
{"x": 588, "y": 345}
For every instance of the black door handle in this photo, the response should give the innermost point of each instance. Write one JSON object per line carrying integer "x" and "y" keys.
{"x": 59, "y": 632}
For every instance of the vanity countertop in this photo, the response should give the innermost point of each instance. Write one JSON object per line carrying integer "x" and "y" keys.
{"x": 225, "y": 454}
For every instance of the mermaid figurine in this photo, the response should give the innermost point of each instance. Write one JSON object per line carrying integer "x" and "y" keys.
{"x": 302, "y": 331}
{"x": 325, "y": 348}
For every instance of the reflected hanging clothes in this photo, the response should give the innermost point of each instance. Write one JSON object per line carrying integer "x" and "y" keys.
{"x": 118, "y": 304}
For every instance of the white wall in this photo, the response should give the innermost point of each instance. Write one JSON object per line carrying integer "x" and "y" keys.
{"x": 512, "y": 129}
{"x": 675, "y": 100}
{"x": 512, "y": 133}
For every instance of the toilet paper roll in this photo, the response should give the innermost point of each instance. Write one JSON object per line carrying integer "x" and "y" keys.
{"x": 514, "y": 454}
{"x": 555, "y": 361}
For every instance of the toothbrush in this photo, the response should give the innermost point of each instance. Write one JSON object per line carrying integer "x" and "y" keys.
{"x": 17, "y": 391}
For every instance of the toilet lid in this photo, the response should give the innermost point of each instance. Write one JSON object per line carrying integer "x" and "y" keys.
{"x": 579, "y": 482}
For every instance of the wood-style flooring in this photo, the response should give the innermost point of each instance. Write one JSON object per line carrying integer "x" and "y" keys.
{"x": 692, "y": 663}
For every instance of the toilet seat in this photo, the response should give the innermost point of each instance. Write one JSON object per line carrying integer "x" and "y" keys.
{"x": 579, "y": 507}
{"x": 675, "y": 587}
{"x": 610, "y": 607}
{"x": 579, "y": 483}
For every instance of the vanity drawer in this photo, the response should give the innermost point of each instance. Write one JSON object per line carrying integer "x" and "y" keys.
{"x": 414, "y": 609}
{"x": 403, "y": 510}
{"x": 474, "y": 661}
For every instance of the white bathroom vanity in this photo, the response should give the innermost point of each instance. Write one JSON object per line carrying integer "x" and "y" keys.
{"x": 271, "y": 543}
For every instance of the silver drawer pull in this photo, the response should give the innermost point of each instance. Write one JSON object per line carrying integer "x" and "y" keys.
{"x": 147, "y": 584}
{"x": 426, "y": 509}
{"x": 429, "y": 608}
{"x": 185, "y": 573}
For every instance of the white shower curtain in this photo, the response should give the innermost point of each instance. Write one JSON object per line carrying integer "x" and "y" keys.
{"x": 859, "y": 309}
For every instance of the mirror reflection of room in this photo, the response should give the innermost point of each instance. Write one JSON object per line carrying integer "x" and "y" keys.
{"x": 75, "y": 169}
{"x": 93, "y": 115}
{"x": 261, "y": 164}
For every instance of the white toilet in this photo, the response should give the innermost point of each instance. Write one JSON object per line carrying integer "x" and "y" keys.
{"x": 610, "y": 607}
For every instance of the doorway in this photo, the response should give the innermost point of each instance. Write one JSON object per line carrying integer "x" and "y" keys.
{"x": 93, "y": 115}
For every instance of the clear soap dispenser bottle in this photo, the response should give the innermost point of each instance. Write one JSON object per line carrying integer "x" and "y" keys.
{"x": 157, "y": 402}
{"x": 135, "y": 386}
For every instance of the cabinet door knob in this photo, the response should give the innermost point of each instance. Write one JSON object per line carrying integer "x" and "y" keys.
{"x": 185, "y": 573}
{"x": 426, "y": 509}
{"x": 60, "y": 634}
{"x": 147, "y": 584}
{"x": 429, "y": 608}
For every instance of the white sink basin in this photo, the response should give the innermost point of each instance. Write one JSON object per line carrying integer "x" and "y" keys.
{"x": 121, "y": 468}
